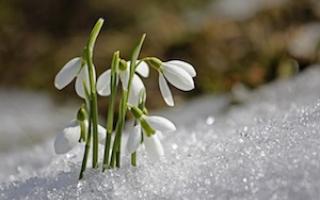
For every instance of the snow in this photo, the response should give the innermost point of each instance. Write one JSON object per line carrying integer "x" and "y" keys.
{"x": 266, "y": 148}
{"x": 28, "y": 116}
{"x": 27, "y": 119}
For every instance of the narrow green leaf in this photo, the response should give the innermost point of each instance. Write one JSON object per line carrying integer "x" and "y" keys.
{"x": 136, "y": 53}
{"x": 94, "y": 34}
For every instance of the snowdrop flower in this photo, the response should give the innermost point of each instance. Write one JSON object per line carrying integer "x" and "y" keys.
{"x": 71, "y": 70}
{"x": 151, "y": 142}
{"x": 69, "y": 137}
{"x": 104, "y": 87}
{"x": 177, "y": 72}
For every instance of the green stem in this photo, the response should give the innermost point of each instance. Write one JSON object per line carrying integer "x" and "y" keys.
{"x": 94, "y": 105}
{"x": 107, "y": 152}
{"x": 134, "y": 159}
{"x": 87, "y": 149}
{"x": 153, "y": 62}
{"x": 116, "y": 150}
{"x": 120, "y": 128}
{"x": 113, "y": 83}
{"x": 117, "y": 142}
{"x": 134, "y": 154}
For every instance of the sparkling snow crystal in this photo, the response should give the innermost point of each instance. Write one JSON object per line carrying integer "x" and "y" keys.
{"x": 267, "y": 148}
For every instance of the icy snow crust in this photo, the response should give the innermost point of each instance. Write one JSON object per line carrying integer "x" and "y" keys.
{"x": 267, "y": 148}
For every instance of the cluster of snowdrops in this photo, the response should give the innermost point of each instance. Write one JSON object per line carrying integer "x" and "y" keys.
{"x": 123, "y": 77}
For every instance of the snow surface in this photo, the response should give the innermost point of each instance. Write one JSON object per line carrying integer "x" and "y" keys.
{"x": 267, "y": 148}
{"x": 27, "y": 117}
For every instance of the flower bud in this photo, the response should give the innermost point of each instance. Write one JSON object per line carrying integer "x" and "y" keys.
{"x": 123, "y": 65}
{"x": 82, "y": 114}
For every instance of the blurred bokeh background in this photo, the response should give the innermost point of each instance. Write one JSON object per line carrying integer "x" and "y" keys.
{"x": 228, "y": 41}
{"x": 231, "y": 43}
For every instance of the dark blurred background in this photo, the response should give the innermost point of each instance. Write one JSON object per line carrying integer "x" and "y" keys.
{"x": 229, "y": 42}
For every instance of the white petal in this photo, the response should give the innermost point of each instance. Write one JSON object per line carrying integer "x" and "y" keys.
{"x": 136, "y": 88}
{"x": 143, "y": 69}
{"x": 103, "y": 83}
{"x": 102, "y": 134}
{"x": 68, "y": 72}
{"x": 83, "y": 77}
{"x": 153, "y": 147}
{"x": 160, "y": 135}
{"x": 185, "y": 66}
{"x": 160, "y": 123}
{"x": 68, "y": 138}
{"x": 124, "y": 77}
{"x": 165, "y": 91}
{"x": 178, "y": 77}
{"x": 134, "y": 139}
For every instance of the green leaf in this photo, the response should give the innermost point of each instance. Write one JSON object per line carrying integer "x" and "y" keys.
{"x": 135, "y": 55}
{"x": 94, "y": 34}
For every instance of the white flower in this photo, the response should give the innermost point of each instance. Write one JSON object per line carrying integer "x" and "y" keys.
{"x": 71, "y": 70}
{"x": 179, "y": 74}
{"x": 160, "y": 123}
{"x": 153, "y": 146}
{"x": 134, "y": 138}
{"x": 70, "y": 135}
{"x": 104, "y": 86}
{"x": 152, "y": 143}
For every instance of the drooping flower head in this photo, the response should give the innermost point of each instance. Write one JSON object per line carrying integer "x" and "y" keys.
{"x": 70, "y": 135}
{"x": 179, "y": 73}
{"x": 150, "y": 128}
{"x": 75, "y": 68}
{"x": 123, "y": 73}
